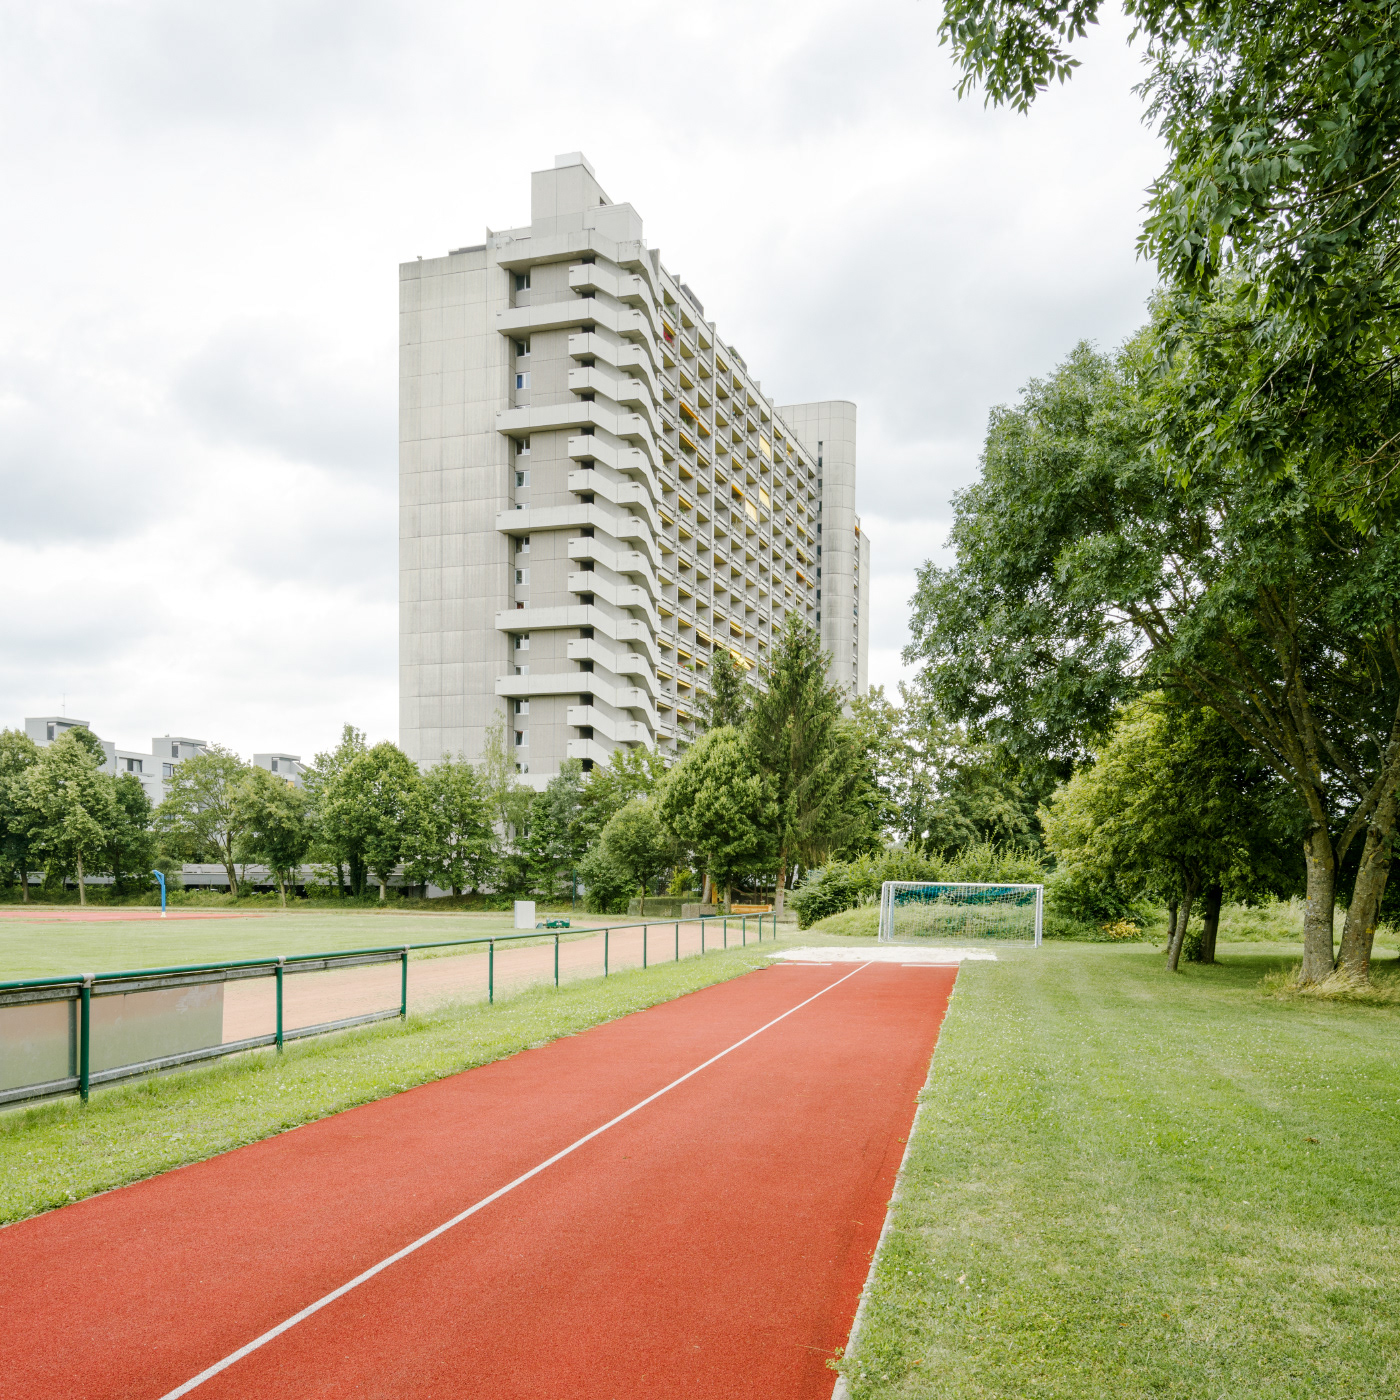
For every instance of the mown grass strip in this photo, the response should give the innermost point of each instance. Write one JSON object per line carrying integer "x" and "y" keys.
{"x": 60, "y": 1152}
{"x": 1127, "y": 1184}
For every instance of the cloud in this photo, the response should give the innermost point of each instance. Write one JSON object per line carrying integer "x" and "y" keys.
{"x": 270, "y": 386}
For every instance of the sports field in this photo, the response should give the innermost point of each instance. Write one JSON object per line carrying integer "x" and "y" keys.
{"x": 681, "y": 1202}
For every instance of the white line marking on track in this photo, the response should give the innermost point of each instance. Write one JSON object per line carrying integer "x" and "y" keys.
{"x": 485, "y": 1201}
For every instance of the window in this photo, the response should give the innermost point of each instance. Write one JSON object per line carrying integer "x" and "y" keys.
{"x": 174, "y": 751}
{"x": 587, "y": 329}
{"x": 167, "y": 770}
{"x": 585, "y": 632}
{"x": 585, "y": 398}
{"x": 274, "y": 765}
{"x": 522, "y": 478}
{"x": 520, "y": 607}
{"x": 522, "y": 545}
{"x": 522, "y": 641}
{"x": 133, "y": 765}
{"x": 586, "y": 565}
{"x": 586, "y": 533}
{"x": 522, "y": 448}
{"x": 586, "y": 599}
{"x": 522, "y": 707}
{"x": 585, "y": 698}
{"x": 522, "y": 281}
{"x": 522, "y": 576}
{"x": 585, "y": 665}
{"x": 522, "y": 347}
{"x": 585, "y": 731}
{"x": 522, "y": 739}
{"x": 586, "y": 430}
{"x": 522, "y": 381}
{"x": 53, "y": 731}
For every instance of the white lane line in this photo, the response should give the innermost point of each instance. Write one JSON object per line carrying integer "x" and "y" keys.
{"x": 485, "y": 1201}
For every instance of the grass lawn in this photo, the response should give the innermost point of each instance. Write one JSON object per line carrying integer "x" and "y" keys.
{"x": 1127, "y": 1184}
{"x": 59, "y": 1152}
{"x": 47, "y": 949}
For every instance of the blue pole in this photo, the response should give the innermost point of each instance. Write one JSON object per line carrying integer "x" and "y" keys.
{"x": 161, "y": 877}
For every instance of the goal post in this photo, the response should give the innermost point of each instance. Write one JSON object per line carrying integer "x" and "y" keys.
{"x": 918, "y": 909}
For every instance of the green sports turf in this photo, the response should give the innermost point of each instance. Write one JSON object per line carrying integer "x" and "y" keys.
{"x": 1128, "y": 1184}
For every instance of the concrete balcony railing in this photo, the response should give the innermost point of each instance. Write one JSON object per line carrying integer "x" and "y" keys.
{"x": 625, "y": 562}
{"x": 633, "y": 529}
{"x": 618, "y": 629}
{"x": 620, "y": 595}
{"x": 620, "y": 493}
{"x": 599, "y": 683}
{"x": 620, "y": 731}
{"x": 615, "y": 661}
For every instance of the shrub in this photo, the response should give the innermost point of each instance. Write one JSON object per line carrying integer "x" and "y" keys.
{"x": 841, "y": 885}
{"x": 606, "y": 887}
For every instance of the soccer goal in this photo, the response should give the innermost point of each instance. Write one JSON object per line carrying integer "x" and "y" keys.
{"x": 917, "y": 909}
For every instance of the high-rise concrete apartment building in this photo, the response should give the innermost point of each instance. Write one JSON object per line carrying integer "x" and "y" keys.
{"x": 596, "y": 495}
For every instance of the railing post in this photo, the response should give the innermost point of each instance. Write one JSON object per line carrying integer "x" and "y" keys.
{"x": 744, "y": 941}
{"x": 605, "y": 951}
{"x": 491, "y": 970}
{"x": 702, "y": 938}
{"x": 403, "y": 988}
{"x": 281, "y": 965}
{"x": 85, "y": 1040}
{"x": 644, "y": 947}
{"x": 678, "y": 937}
{"x": 556, "y": 959}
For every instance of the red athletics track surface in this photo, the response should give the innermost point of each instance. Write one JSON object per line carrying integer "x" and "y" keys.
{"x": 713, "y": 1244}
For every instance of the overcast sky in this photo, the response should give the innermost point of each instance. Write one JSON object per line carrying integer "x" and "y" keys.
{"x": 205, "y": 206}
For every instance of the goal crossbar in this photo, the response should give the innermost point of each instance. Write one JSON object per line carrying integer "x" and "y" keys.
{"x": 961, "y": 909}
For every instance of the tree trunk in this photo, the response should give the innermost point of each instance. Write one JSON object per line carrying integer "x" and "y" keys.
{"x": 381, "y": 889}
{"x": 1173, "y": 904}
{"x": 340, "y": 878}
{"x": 1359, "y": 931}
{"x": 229, "y": 871}
{"x": 707, "y": 889}
{"x": 1210, "y": 922}
{"x": 1318, "y": 956}
{"x": 281, "y": 889}
{"x": 82, "y": 886}
{"x": 24, "y": 886}
{"x": 1182, "y": 919}
{"x": 642, "y": 907}
{"x": 782, "y": 881}
{"x": 728, "y": 895}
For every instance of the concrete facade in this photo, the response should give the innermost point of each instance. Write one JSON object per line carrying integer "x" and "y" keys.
{"x": 156, "y": 767}
{"x": 595, "y": 495}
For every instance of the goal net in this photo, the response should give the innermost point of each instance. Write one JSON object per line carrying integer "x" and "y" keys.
{"x": 921, "y": 909}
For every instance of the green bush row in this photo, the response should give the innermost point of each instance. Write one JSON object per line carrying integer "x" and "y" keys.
{"x": 842, "y": 884}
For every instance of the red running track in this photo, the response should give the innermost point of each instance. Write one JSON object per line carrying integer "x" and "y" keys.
{"x": 712, "y": 1244}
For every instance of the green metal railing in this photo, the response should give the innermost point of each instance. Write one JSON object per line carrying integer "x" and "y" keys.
{"x": 83, "y": 987}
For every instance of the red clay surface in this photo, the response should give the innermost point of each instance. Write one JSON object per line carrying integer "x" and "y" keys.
{"x": 711, "y": 1245}
{"x": 135, "y": 913}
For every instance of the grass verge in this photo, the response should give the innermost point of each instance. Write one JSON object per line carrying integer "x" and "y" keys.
{"x": 60, "y": 1152}
{"x": 1127, "y": 1184}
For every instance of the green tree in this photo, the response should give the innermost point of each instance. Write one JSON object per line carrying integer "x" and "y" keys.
{"x": 201, "y": 810}
{"x": 131, "y": 842}
{"x": 636, "y": 843}
{"x": 730, "y": 696}
{"x": 559, "y": 827}
{"x": 332, "y": 843}
{"x": 74, "y": 805}
{"x": 1082, "y": 575}
{"x": 18, "y": 754}
{"x": 369, "y": 803}
{"x": 1281, "y": 121}
{"x": 629, "y": 773}
{"x": 453, "y": 842}
{"x": 717, "y": 804}
{"x": 811, "y": 754}
{"x": 275, "y": 816}
{"x": 1176, "y": 807}
{"x": 510, "y": 801}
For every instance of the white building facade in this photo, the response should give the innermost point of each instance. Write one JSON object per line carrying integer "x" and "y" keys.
{"x": 596, "y": 496}
{"x": 155, "y": 768}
